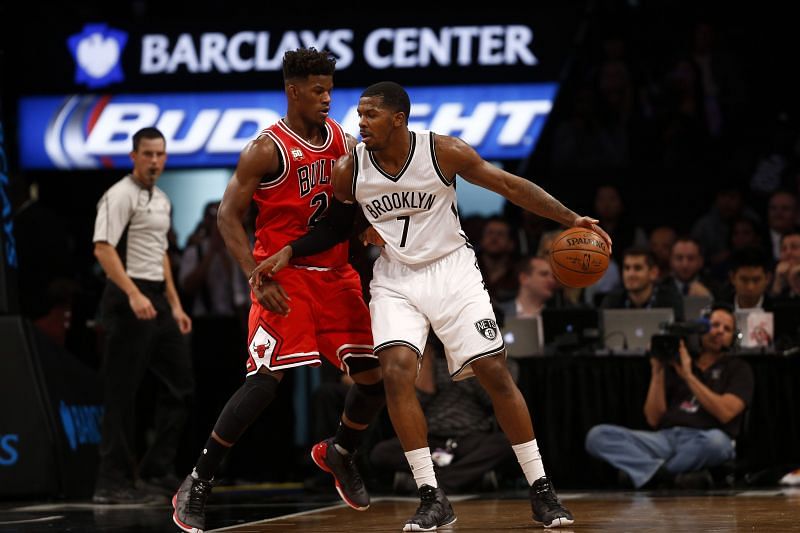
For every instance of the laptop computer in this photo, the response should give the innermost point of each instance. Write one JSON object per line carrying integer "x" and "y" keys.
{"x": 570, "y": 328}
{"x": 693, "y": 306}
{"x": 523, "y": 336}
{"x": 630, "y": 330}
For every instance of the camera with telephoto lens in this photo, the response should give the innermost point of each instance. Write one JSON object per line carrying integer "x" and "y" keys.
{"x": 665, "y": 345}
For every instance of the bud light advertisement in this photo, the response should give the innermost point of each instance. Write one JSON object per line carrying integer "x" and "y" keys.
{"x": 209, "y": 130}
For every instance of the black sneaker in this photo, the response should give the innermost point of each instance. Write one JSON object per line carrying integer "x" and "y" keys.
{"x": 547, "y": 509}
{"x": 124, "y": 495}
{"x": 434, "y": 511}
{"x": 190, "y": 504}
{"x": 342, "y": 467}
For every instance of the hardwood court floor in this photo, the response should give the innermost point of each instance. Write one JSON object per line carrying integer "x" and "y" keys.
{"x": 772, "y": 512}
{"x": 252, "y": 511}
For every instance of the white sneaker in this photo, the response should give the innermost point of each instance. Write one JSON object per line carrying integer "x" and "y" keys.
{"x": 792, "y": 478}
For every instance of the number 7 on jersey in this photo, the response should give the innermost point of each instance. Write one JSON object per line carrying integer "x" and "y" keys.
{"x": 405, "y": 220}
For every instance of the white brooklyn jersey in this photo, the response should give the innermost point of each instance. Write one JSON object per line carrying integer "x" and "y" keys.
{"x": 415, "y": 211}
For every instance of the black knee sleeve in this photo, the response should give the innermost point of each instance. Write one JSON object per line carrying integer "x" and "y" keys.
{"x": 245, "y": 405}
{"x": 364, "y": 402}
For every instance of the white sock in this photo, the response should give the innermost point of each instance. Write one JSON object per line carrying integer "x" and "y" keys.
{"x": 422, "y": 467}
{"x": 530, "y": 460}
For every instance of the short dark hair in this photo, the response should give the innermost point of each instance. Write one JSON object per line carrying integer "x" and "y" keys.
{"x": 791, "y": 233}
{"x": 640, "y": 251}
{"x": 690, "y": 239}
{"x": 305, "y": 62}
{"x": 749, "y": 256}
{"x": 147, "y": 133}
{"x": 524, "y": 265}
{"x": 718, "y": 305}
{"x": 393, "y": 95}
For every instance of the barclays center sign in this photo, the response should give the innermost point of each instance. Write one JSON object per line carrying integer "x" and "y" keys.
{"x": 98, "y": 50}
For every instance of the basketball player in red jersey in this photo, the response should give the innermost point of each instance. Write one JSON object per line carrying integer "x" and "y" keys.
{"x": 307, "y": 312}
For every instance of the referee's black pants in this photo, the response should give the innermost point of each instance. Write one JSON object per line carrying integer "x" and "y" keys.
{"x": 132, "y": 347}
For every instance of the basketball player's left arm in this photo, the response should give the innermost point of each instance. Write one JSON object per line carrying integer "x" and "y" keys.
{"x": 457, "y": 157}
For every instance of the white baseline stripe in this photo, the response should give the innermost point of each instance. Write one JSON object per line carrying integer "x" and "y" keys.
{"x": 31, "y": 520}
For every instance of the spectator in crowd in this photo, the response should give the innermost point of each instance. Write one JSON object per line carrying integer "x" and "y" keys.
{"x": 750, "y": 277}
{"x": 786, "y": 281}
{"x": 713, "y": 229}
{"x": 781, "y": 218}
{"x": 611, "y": 213}
{"x": 496, "y": 259}
{"x": 661, "y": 240}
{"x": 212, "y": 283}
{"x": 466, "y": 443}
{"x": 536, "y": 287}
{"x": 686, "y": 269}
{"x": 745, "y": 233}
{"x": 640, "y": 290}
{"x": 695, "y": 405}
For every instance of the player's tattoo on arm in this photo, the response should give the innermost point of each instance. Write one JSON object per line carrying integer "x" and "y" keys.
{"x": 539, "y": 201}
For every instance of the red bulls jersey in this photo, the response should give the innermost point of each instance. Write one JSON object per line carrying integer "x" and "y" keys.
{"x": 289, "y": 204}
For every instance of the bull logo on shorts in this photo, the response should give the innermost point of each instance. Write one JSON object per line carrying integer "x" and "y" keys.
{"x": 261, "y": 349}
{"x": 488, "y": 328}
{"x": 262, "y": 344}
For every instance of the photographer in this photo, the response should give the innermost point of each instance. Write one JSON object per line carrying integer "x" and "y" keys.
{"x": 696, "y": 407}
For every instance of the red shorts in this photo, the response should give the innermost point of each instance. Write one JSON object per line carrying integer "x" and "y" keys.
{"x": 327, "y": 317}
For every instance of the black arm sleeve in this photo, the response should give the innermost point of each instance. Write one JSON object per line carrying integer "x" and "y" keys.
{"x": 330, "y": 231}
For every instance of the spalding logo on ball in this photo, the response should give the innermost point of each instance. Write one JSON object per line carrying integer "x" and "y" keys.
{"x": 578, "y": 257}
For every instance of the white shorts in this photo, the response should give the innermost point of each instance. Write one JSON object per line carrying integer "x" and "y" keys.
{"x": 447, "y": 294}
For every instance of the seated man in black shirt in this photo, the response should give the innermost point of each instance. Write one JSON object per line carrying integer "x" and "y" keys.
{"x": 695, "y": 405}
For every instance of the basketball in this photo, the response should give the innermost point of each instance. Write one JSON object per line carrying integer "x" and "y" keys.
{"x": 578, "y": 257}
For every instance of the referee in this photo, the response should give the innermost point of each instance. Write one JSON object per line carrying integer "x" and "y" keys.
{"x": 145, "y": 326}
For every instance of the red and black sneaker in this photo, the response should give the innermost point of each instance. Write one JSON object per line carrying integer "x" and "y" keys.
{"x": 343, "y": 469}
{"x": 190, "y": 504}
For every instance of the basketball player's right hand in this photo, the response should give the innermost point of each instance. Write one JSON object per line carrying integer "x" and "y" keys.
{"x": 141, "y": 306}
{"x": 371, "y": 236}
{"x": 592, "y": 224}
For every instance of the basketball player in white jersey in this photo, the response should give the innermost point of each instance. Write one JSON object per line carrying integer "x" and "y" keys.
{"x": 427, "y": 276}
